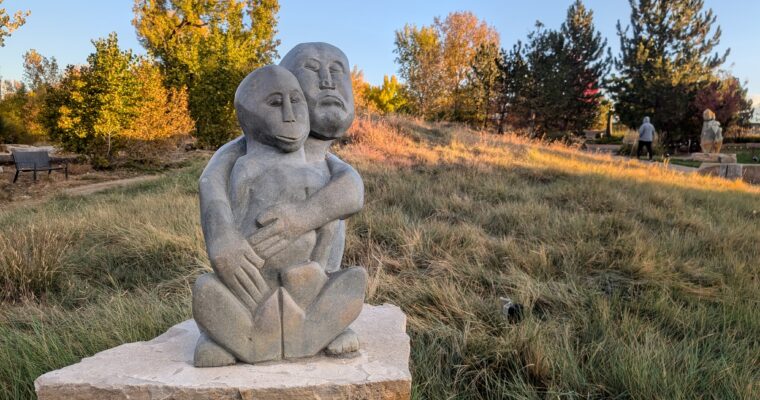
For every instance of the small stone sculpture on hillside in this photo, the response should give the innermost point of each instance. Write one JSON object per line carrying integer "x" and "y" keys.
{"x": 272, "y": 204}
{"x": 712, "y": 134}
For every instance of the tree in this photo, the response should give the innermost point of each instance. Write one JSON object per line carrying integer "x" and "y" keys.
{"x": 389, "y": 97}
{"x": 361, "y": 90}
{"x": 40, "y": 74}
{"x": 420, "y": 58}
{"x": 40, "y": 71}
{"x": 8, "y": 25}
{"x": 114, "y": 102}
{"x": 666, "y": 57}
{"x": 586, "y": 65}
{"x": 462, "y": 35}
{"x": 161, "y": 114}
{"x": 552, "y": 83}
{"x": 209, "y": 47}
{"x": 435, "y": 63}
{"x": 12, "y": 117}
{"x": 727, "y": 98}
{"x": 483, "y": 83}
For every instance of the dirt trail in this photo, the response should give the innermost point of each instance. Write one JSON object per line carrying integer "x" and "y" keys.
{"x": 98, "y": 187}
{"x": 83, "y": 190}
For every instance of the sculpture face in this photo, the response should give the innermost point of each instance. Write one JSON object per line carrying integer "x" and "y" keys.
{"x": 324, "y": 75}
{"x": 271, "y": 108}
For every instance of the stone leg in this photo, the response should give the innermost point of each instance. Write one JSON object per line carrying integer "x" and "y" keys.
{"x": 229, "y": 324}
{"x": 336, "y": 251}
{"x": 334, "y": 309}
{"x": 304, "y": 282}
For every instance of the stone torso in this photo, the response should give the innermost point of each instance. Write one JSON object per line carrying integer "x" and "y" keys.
{"x": 257, "y": 184}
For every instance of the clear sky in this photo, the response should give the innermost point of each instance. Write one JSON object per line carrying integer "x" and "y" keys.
{"x": 364, "y": 30}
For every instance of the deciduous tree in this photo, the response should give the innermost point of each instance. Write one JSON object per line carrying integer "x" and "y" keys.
{"x": 9, "y": 24}
{"x": 209, "y": 47}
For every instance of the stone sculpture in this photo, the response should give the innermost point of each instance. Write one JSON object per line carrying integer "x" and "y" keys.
{"x": 712, "y": 134}
{"x": 272, "y": 204}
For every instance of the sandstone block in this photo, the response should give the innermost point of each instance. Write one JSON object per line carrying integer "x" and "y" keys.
{"x": 163, "y": 369}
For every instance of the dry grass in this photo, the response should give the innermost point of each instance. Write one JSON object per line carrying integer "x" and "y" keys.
{"x": 637, "y": 281}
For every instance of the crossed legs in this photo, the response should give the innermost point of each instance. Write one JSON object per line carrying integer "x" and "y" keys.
{"x": 298, "y": 319}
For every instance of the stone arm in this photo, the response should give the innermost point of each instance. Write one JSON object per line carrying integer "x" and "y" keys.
{"x": 231, "y": 256}
{"x": 216, "y": 211}
{"x": 342, "y": 197}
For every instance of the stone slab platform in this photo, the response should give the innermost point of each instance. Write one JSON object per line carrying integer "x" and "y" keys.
{"x": 163, "y": 369}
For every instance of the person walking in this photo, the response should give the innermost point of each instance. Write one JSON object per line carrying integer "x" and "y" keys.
{"x": 646, "y": 136}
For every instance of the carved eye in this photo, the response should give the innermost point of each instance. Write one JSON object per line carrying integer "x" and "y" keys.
{"x": 274, "y": 100}
{"x": 311, "y": 65}
{"x": 336, "y": 69}
{"x": 295, "y": 98}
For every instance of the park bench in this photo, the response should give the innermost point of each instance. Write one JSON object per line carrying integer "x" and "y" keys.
{"x": 34, "y": 161}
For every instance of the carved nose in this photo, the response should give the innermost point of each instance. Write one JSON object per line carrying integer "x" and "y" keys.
{"x": 325, "y": 80}
{"x": 287, "y": 111}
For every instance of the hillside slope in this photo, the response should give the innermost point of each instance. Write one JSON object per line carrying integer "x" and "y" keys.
{"x": 636, "y": 281}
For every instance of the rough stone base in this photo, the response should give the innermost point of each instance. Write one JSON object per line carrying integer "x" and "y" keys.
{"x": 729, "y": 171}
{"x": 163, "y": 369}
{"x": 751, "y": 173}
{"x": 720, "y": 158}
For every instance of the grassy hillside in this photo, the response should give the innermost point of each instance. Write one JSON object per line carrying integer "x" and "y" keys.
{"x": 637, "y": 282}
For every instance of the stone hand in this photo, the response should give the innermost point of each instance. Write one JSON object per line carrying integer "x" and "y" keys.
{"x": 238, "y": 265}
{"x": 280, "y": 224}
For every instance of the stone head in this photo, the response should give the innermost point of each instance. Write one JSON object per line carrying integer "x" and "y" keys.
{"x": 708, "y": 115}
{"x": 323, "y": 72}
{"x": 271, "y": 108}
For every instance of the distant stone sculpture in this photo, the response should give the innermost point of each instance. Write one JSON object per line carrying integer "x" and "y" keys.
{"x": 272, "y": 204}
{"x": 712, "y": 134}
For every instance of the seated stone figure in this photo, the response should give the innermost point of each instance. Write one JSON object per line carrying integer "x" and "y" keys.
{"x": 283, "y": 306}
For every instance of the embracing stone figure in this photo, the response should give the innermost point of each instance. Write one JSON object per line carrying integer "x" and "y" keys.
{"x": 272, "y": 210}
{"x": 712, "y": 134}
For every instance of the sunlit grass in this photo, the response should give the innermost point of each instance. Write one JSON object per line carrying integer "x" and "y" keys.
{"x": 637, "y": 281}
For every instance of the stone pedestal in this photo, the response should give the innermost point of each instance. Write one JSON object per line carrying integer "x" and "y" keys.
{"x": 728, "y": 171}
{"x": 163, "y": 369}
{"x": 720, "y": 158}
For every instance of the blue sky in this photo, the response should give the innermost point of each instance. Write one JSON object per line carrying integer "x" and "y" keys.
{"x": 364, "y": 30}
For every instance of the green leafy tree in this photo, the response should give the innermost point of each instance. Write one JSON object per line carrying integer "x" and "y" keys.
{"x": 420, "y": 58}
{"x": 12, "y": 128}
{"x": 113, "y": 102}
{"x": 667, "y": 55}
{"x": 111, "y": 91}
{"x": 208, "y": 47}
{"x": 9, "y": 24}
{"x": 483, "y": 83}
{"x": 389, "y": 97}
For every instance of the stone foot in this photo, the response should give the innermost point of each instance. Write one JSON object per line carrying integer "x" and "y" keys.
{"x": 346, "y": 343}
{"x": 210, "y": 354}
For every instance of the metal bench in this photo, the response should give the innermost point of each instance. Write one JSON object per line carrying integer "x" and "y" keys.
{"x": 35, "y": 161}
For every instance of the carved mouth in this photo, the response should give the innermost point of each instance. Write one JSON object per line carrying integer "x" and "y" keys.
{"x": 332, "y": 100}
{"x": 287, "y": 139}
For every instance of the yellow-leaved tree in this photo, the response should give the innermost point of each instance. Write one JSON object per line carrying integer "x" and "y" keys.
{"x": 161, "y": 116}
